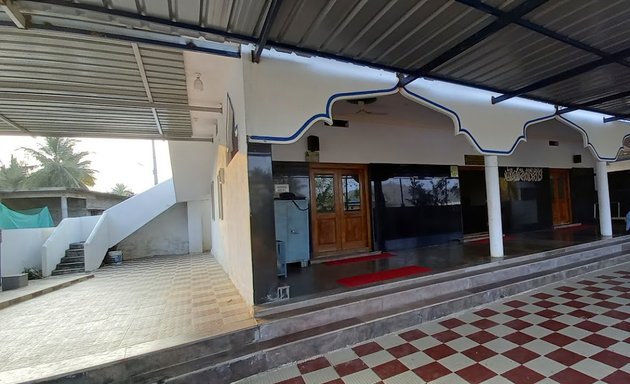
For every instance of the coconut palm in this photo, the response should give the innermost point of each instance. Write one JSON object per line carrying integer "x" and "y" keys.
{"x": 59, "y": 165}
{"x": 15, "y": 175}
{"x": 122, "y": 190}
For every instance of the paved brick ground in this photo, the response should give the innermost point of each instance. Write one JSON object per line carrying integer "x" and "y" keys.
{"x": 133, "y": 308}
{"x": 577, "y": 332}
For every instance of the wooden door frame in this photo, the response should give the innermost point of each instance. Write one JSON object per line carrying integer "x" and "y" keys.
{"x": 566, "y": 174}
{"x": 362, "y": 169}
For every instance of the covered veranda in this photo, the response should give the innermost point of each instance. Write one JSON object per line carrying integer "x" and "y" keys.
{"x": 227, "y": 81}
{"x": 562, "y": 67}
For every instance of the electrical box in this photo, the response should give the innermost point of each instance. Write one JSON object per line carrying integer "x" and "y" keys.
{"x": 292, "y": 229}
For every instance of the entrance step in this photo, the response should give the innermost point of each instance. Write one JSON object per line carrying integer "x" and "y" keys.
{"x": 300, "y": 330}
{"x": 73, "y": 261}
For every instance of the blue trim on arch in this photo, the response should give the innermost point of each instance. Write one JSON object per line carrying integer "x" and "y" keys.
{"x": 467, "y": 132}
{"x": 588, "y": 140}
{"x": 326, "y": 114}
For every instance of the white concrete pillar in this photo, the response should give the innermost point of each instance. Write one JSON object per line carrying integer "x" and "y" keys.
{"x": 603, "y": 199}
{"x": 64, "y": 207}
{"x": 493, "y": 196}
{"x": 195, "y": 227}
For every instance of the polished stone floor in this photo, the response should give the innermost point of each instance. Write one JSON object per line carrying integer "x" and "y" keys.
{"x": 137, "y": 307}
{"x": 573, "y": 332}
{"x": 321, "y": 279}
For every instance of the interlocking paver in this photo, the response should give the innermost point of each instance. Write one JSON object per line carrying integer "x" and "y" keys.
{"x": 135, "y": 307}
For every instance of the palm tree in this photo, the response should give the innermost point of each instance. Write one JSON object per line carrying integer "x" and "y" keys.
{"x": 15, "y": 175}
{"x": 60, "y": 166}
{"x": 122, "y": 190}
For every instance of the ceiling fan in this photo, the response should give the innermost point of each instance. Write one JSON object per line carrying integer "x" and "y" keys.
{"x": 362, "y": 109}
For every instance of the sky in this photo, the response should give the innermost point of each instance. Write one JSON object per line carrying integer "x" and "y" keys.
{"x": 124, "y": 161}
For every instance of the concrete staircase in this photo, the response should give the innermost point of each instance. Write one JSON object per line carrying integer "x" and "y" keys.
{"x": 299, "y": 330}
{"x": 73, "y": 261}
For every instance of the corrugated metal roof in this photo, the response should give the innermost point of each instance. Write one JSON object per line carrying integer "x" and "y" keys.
{"x": 35, "y": 64}
{"x": 555, "y": 51}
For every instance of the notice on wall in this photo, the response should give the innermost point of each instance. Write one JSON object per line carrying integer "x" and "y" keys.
{"x": 454, "y": 171}
{"x": 523, "y": 174}
{"x": 281, "y": 188}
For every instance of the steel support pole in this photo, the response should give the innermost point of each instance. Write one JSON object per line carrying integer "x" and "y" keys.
{"x": 493, "y": 196}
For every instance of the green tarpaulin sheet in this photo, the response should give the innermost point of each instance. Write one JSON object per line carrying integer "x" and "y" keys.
{"x": 31, "y": 218}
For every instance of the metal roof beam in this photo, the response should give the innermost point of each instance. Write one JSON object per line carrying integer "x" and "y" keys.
{"x": 14, "y": 13}
{"x": 597, "y": 101}
{"x": 607, "y": 58}
{"x": 502, "y": 21}
{"x": 563, "y": 76}
{"x": 266, "y": 28}
{"x": 13, "y": 96}
{"x": 145, "y": 83}
{"x": 14, "y": 125}
{"x": 616, "y": 118}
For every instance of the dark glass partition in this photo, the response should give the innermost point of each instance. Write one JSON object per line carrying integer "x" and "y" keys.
{"x": 414, "y": 205}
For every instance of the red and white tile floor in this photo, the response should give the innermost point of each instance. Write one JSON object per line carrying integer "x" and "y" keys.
{"x": 575, "y": 332}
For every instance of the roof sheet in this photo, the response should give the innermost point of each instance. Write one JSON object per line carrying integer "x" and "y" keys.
{"x": 40, "y": 68}
{"x": 500, "y": 45}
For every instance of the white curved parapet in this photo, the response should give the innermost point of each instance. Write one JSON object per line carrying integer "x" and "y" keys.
{"x": 124, "y": 219}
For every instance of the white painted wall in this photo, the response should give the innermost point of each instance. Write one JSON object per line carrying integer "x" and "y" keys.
{"x": 167, "y": 234}
{"x": 407, "y": 136}
{"x": 195, "y": 227}
{"x": 22, "y": 248}
{"x": 196, "y": 164}
{"x": 206, "y": 218}
{"x": 192, "y": 164}
{"x": 286, "y": 94}
{"x": 70, "y": 230}
{"x": 125, "y": 218}
{"x": 619, "y": 166}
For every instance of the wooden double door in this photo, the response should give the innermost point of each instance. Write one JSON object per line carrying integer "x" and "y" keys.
{"x": 560, "y": 196}
{"x": 340, "y": 213}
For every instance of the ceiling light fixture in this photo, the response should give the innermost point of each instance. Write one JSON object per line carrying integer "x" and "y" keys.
{"x": 198, "y": 84}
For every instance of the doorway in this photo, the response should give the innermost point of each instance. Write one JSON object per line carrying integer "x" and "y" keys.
{"x": 339, "y": 209}
{"x": 560, "y": 196}
{"x": 472, "y": 184}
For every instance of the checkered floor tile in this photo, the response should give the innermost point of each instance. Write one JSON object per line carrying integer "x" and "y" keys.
{"x": 576, "y": 332}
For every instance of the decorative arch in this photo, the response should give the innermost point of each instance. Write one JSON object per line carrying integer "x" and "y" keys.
{"x": 326, "y": 115}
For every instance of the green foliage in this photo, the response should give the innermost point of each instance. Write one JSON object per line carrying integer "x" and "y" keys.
{"x": 34, "y": 273}
{"x": 122, "y": 190}
{"x": 59, "y": 165}
{"x": 14, "y": 176}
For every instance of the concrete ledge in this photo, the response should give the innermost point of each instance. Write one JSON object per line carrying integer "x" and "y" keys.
{"x": 14, "y": 281}
{"x": 37, "y": 288}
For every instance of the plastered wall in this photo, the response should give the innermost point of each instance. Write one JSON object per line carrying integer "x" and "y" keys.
{"x": 167, "y": 234}
{"x": 432, "y": 141}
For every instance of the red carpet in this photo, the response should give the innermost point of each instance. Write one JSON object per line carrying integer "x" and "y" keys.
{"x": 388, "y": 274}
{"x": 358, "y": 259}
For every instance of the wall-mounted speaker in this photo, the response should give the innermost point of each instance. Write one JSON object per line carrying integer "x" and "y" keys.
{"x": 312, "y": 143}
{"x": 577, "y": 159}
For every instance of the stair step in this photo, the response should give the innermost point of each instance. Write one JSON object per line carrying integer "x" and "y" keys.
{"x": 73, "y": 265}
{"x": 72, "y": 259}
{"x": 58, "y": 272}
{"x": 315, "y": 327}
{"x": 77, "y": 245}
{"x": 75, "y": 252}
